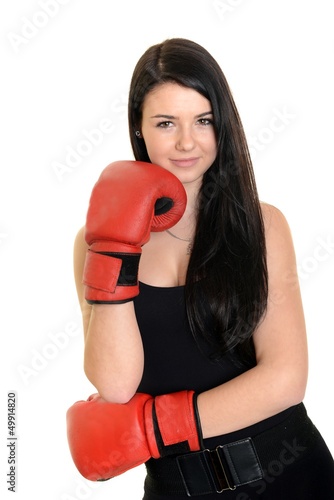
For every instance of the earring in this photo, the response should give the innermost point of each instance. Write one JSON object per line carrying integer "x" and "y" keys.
{"x": 138, "y": 134}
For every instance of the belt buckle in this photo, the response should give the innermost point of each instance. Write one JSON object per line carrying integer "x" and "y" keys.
{"x": 222, "y": 480}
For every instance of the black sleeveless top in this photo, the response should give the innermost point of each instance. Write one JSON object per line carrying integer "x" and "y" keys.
{"x": 174, "y": 361}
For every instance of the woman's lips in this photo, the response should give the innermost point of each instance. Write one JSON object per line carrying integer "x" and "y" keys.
{"x": 184, "y": 162}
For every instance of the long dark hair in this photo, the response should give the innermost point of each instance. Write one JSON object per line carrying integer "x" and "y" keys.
{"x": 227, "y": 272}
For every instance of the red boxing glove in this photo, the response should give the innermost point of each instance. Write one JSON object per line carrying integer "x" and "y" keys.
{"x": 107, "y": 439}
{"x": 129, "y": 200}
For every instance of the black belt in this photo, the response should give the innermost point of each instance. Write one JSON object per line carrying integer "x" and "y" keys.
{"x": 223, "y": 468}
{"x": 234, "y": 464}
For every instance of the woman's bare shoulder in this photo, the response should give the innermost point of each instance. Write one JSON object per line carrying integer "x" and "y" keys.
{"x": 79, "y": 255}
{"x": 275, "y": 222}
{"x": 272, "y": 215}
{"x": 279, "y": 241}
{"x": 79, "y": 240}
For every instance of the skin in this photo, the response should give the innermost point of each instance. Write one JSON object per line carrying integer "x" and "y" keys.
{"x": 179, "y": 136}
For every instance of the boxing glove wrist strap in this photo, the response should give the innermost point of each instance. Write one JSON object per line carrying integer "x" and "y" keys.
{"x": 176, "y": 424}
{"x": 111, "y": 276}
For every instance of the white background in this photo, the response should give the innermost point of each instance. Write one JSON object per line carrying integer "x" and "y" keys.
{"x": 65, "y": 69}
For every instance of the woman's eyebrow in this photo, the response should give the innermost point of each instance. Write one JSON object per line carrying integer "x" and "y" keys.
{"x": 168, "y": 117}
{"x": 172, "y": 117}
{"x": 204, "y": 114}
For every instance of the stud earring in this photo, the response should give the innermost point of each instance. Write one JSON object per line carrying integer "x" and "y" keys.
{"x": 138, "y": 134}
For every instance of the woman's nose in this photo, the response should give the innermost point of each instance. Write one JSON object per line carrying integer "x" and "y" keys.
{"x": 185, "y": 140}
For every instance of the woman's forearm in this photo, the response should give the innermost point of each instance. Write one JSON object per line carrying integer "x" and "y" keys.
{"x": 113, "y": 357}
{"x": 249, "y": 398}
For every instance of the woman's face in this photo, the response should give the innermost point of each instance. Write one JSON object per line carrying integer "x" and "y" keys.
{"x": 177, "y": 127}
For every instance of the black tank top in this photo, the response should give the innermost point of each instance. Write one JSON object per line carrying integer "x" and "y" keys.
{"x": 174, "y": 360}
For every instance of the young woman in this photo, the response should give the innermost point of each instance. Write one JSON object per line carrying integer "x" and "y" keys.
{"x": 213, "y": 337}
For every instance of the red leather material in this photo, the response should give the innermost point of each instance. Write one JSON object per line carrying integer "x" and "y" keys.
{"x": 122, "y": 213}
{"x": 123, "y": 199}
{"x": 176, "y": 419}
{"x": 101, "y": 271}
{"x": 107, "y": 439}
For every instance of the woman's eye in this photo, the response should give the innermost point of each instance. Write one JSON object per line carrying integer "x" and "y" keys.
{"x": 205, "y": 121}
{"x": 164, "y": 124}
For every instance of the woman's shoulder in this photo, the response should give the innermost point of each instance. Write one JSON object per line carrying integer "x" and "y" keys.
{"x": 79, "y": 240}
{"x": 79, "y": 253}
{"x": 279, "y": 242}
{"x": 273, "y": 218}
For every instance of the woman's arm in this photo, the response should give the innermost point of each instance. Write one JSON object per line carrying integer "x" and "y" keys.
{"x": 113, "y": 354}
{"x": 279, "y": 379}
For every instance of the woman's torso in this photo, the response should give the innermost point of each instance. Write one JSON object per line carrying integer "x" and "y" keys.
{"x": 175, "y": 361}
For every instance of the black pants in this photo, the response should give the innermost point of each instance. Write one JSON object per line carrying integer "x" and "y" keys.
{"x": 309, "y": 477}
